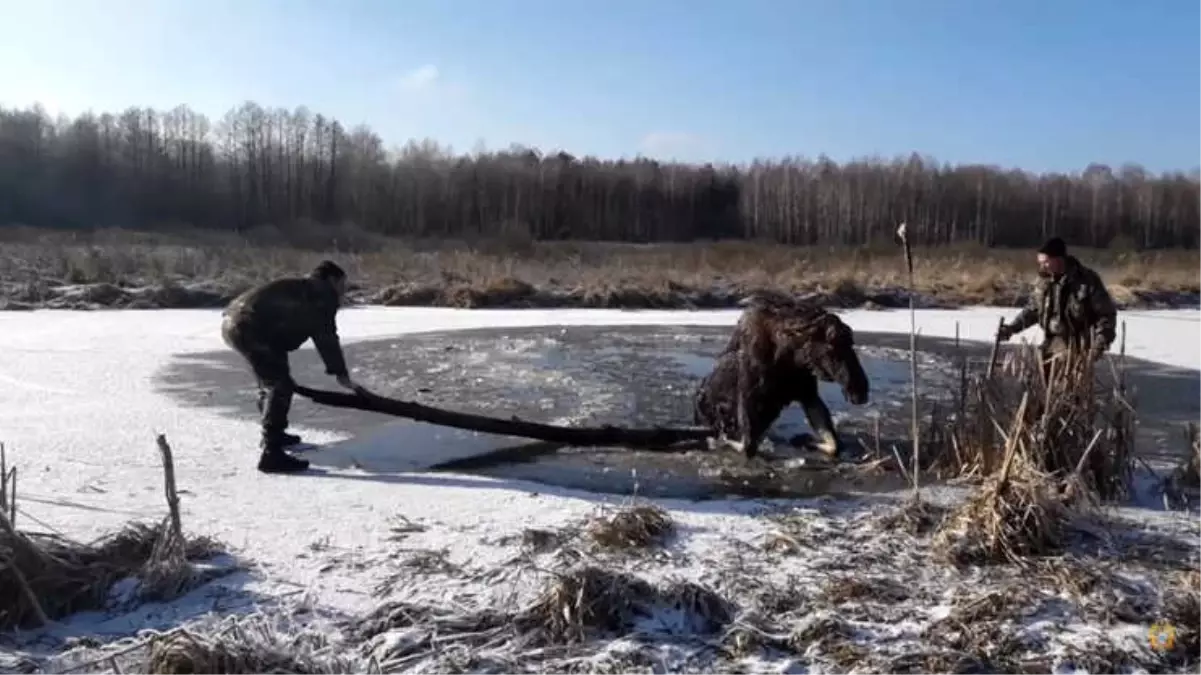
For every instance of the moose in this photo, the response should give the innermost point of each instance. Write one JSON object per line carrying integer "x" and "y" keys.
{"x": 778, "y": 351}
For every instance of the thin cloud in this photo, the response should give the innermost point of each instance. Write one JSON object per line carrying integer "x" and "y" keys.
{"x": 428, "y": 86}
{"x": 672, "y": 145}
{"x": 423, "y": 78}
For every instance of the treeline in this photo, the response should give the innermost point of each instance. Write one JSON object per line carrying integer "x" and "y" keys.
{"x": 255, "y": 166}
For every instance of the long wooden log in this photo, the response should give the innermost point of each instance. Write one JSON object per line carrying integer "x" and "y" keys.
{"x": 655, "y": 438}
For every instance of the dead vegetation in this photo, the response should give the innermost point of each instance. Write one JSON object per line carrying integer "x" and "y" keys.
{"x": 115, "y": 268}
{"x": 882, "y": 614}
{"x": 633, "y": 526}
{"x": 1182, "y": 489}
{"x": 44, "y": 577}
{"x": 1030, "y": 444}
{"x": 847, "y": 588}
{"x": 1180, "y": 607}
{"x": 1046, "y": 444}
{"x": 1014, "y": 515}
{"x": 235, "y": 644}
{"x": 559, "y": 628}
{"x": 245, "y": 646}
{"x": 1073, "y": 421}
{"x": 574, "y": 606}
{"x": 589, "y": 599}
{"x": 913, "y": 516}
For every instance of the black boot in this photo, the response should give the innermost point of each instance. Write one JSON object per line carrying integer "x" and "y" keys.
{"x": 275, "y": 460}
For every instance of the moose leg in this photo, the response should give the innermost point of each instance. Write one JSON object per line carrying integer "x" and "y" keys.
{"x": 708, "y": 411}
{"x": 820, "y": 420}
{"x": 750, "y": 389}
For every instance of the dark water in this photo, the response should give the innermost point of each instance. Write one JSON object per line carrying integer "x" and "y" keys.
{"x": 585, "y": 376}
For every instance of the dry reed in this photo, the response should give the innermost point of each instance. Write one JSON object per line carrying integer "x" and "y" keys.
{"x": 588, "y": 599}
{"x": 1182, "y": 488}
{"x": 44, "y": 577}
{"x": 194, "y": 268}
{"x": 1021, "y": 511}
{"x": 1077, "y": 424}
{"x": 631, "y": 527}
{"x": 246, "y": 646}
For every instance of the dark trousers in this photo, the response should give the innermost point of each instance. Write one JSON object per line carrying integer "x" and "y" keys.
{"x": 274, "y": 378}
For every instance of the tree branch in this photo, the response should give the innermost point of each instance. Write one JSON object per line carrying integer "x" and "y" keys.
{"x": 654, "y": 438}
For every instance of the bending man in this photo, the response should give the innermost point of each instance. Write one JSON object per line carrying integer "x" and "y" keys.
{"x": 267, "y": 322}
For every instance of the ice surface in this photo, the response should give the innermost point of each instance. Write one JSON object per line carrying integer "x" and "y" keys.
{"x": 78, "y": 415}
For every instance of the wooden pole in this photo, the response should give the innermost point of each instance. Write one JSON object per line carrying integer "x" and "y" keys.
{"x": 656, "y": 438}
{"x": 903, "y": 235}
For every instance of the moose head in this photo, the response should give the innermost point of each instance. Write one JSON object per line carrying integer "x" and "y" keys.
{"x": 826, "y": 346}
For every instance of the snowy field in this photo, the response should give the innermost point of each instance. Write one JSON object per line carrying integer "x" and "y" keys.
{"x": 78, "y": 416}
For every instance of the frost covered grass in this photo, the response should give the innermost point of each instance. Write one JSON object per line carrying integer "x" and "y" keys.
{"x": 421, "y": 572}
{"x": 859, "y": 596}
{"x": 636, "y": 526}
{"x": 44, "y": 577}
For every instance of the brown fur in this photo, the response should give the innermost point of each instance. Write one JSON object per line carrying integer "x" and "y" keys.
{"x": 779, "y": 350}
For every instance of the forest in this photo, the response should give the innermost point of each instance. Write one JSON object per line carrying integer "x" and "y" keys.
{"x": 143, "y": 168}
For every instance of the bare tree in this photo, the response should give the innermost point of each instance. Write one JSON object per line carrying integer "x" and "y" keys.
{"x": 143, "y": 168}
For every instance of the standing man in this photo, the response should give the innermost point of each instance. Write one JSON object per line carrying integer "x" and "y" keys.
{"x": 1071, "y": 304}
{"x": 267, "y": 322}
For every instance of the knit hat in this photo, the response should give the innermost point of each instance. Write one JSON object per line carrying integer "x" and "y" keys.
{"x": 1054, "y": 248}
{"x": 328, "y": 269}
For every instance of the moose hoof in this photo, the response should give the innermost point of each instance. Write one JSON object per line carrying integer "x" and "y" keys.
{"x": 828, "y": 446}
{"x": 723, "y": 444}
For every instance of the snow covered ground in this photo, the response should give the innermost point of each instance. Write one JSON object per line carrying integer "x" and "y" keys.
{"x": 78, "y": 415}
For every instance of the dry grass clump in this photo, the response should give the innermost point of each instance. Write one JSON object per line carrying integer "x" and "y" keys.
{"x": 1020, "y": 512}
{"x": 541, "y": 540}
{"x": 45, "y": 577}
{"x": 858, "y": 588}
{"x": 1100, "y": 592}
{"x": 1099, "y": 656}
{"x": 938, "y": 662}
{"x": 235, "y": 644}
{"x": 1050, "y": 444}
{"x": 247, "y": 646}
{"x": 1076, "y": 420}
{"x": 589, "y": 599}
{"x": 913, "y": 516}
{"x": 631, "y": 527}
{"x": 49, "y": 577}
{"x": 810, "y": 634}
{"x": 575, "y": 607}
{"x": 400, "y": 634}
{"x": 979, "y": 629}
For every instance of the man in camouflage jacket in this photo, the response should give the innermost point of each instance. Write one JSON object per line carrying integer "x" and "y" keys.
{"x": 1070, "y": 303}
{"x": 267, "y": 322}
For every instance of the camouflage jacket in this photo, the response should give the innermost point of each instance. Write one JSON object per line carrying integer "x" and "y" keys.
{"x": 1075, "y": 307}
{"x": 282, "y": 314}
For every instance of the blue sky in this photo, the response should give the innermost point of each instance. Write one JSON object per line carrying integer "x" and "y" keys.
{"x": 1036, "y": 84}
